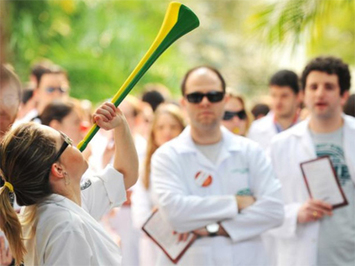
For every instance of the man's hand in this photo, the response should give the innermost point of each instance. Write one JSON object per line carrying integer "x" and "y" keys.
{"x": 244, "y": 201}
{"x": 5, "y": 254}
{"x": 313, "y": 210}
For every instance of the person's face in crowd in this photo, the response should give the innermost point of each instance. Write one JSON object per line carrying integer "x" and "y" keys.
{"x": 71, "y": 126}
{"x": 235, "y": 121}
{"x": 72, "y": 159}
{"x": 128, "y": 111}
{"x": 51, "y": 87}
{"x": 284, "y": 102}
{"x": 145, "y": 120}
{"x": 166, "y": 128}
{"x": 9, "y": 105}
{"x": 322, "y": 95}
{"x": 204, "y": 114}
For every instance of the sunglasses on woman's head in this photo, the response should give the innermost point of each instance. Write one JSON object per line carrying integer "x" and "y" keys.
{"x": 228, "y": 115}
{"x": 212, "y": 96}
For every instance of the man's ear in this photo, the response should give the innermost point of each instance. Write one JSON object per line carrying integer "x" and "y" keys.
{"x": 55, "y": 124}
{"x": 57, "y": 171}
{"x": 183, "y": 101}
{"x": 344, "y": 98}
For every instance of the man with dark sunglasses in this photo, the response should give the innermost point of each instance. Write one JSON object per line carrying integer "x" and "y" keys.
{"x": 213, "y": 183}
{"x": 286, "y": 98}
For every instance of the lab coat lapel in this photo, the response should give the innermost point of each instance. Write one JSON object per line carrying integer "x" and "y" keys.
{"x": 306, "y": 140}
{"x": 349, "y": 145}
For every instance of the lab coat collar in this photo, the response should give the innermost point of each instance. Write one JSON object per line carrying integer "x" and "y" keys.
{"x": 349, "y": 144}
{"x": 65, "y": 202}
{"x": 185, "y": 144}
{"x": 301, "y": 131}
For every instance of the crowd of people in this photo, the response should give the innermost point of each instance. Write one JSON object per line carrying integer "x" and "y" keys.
{"x": 212, "y": 165}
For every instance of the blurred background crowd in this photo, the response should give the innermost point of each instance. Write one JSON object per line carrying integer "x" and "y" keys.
{"x": 70, "y": 56}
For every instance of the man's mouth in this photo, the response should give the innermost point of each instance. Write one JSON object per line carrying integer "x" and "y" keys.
{"x": 321, "y": 104}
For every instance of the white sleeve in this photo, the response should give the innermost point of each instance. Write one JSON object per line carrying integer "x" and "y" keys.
{"x": 141, "y": 207}
{"x": 185, "y": 212}
{"x": 267, "y": 211}
{"x": 101, "y": 193}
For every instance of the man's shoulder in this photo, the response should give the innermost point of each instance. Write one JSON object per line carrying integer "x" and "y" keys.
{"x": 261, "y": 126}
{"x": 292, "y": 133}
{"x": 236, "y": 142}
{"x": 350, "y": 121}
{"x": 169, "y": 148}
{"x": 266, "y": 120}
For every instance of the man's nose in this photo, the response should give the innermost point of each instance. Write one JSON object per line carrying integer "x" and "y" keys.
{"x": 205, "y": 100}
{"x": 320, "y": 91}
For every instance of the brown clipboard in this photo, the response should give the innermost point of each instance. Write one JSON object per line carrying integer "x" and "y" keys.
{"x": 181, "y": 253}
{"x": 345, "y": 201}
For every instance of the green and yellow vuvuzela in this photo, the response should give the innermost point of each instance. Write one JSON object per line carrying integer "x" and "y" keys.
{"x": 178, "y": 21}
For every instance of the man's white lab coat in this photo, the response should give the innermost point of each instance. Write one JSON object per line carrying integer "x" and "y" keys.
{"x": 242, "y": 166}
{"x": 297, "y": 243}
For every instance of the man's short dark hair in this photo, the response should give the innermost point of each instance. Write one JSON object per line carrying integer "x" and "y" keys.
{"x": 183, "y": 83}
{"x": 287, "y": 78}
{"x": 330, "y": 65}
{"x": 39, "y": 70}
{"x": 154, "y": 98}
{"x": 260, "y": 110}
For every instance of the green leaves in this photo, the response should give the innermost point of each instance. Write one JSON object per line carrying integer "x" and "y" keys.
{"x": 324, "y": 26}
{"x": 98, "y": 42}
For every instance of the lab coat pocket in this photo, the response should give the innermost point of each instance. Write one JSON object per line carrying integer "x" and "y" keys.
{"x": 239, "y": 182}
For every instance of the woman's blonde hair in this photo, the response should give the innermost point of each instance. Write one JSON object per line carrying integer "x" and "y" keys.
{"x": 26, "y": 155}
{"x": 174, "y": 111}
{"x": 249, "y": 118}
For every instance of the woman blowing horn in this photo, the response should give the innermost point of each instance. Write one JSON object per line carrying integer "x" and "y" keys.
{"x": 43, "y": 170}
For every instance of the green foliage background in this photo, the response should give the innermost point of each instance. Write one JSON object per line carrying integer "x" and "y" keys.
{"x": 99, "y": 42}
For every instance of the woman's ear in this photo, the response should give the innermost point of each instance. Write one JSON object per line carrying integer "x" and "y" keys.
{"x": 57, "y": 171}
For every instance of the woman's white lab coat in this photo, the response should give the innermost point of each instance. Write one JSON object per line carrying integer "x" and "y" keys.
{"x": 67, "y": 234}
{"x": 241, "y": 166}
{"x": 297, "y": 243}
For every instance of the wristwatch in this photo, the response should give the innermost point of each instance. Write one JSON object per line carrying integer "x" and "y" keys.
{"x": 212, "y": 229}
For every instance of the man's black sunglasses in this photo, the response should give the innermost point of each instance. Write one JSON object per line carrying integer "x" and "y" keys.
{"x": 212, "y": 96}
{"x": 229, "y": 115}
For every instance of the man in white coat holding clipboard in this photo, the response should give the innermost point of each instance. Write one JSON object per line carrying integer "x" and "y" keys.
{"x": 214, "y": 183}
{"x": 313, "y": 232}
